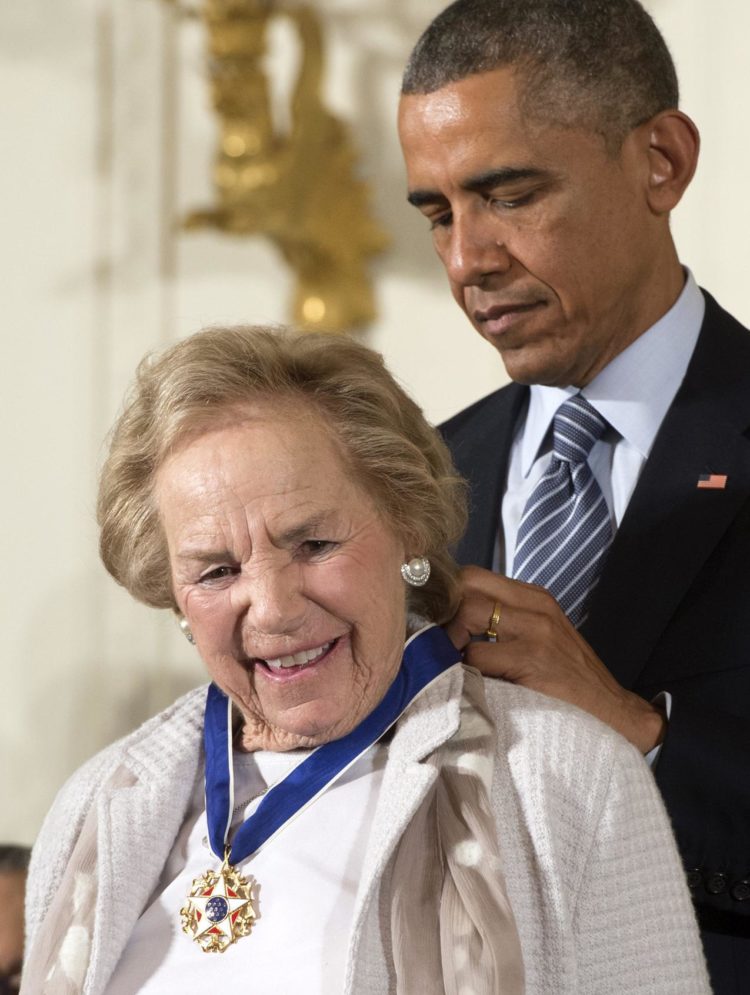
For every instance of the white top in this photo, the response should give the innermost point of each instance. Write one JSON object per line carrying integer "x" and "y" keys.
{"x": 593, "y": 875}
{"x": 633, "y": 392}
{"x": 307, "y": 882}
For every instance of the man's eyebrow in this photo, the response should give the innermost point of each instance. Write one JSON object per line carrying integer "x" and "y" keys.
{"x": 502, "y": 177}
{"x": 424, "y": 198}
{"x": 480, "y": 183}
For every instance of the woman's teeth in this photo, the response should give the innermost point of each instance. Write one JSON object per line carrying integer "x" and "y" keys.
{"x": 298, "y": 659}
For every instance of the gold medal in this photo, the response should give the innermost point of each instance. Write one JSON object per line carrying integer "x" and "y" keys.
{"x": 219, "y": 909}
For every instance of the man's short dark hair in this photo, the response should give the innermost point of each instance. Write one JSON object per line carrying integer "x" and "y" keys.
{"x": 601, "y": 64}
{"x": 14, "y": 859}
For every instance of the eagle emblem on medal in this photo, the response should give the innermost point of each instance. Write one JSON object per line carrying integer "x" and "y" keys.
{"x": 220, "y": 909}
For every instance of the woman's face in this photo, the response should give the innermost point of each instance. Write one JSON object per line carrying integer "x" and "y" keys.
{"x": 288, "y": 576}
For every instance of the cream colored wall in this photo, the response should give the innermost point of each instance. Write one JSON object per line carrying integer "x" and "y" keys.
{"x": 93, "y": 278}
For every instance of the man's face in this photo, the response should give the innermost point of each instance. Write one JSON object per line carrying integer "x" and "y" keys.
{"x": 548, "y": 240}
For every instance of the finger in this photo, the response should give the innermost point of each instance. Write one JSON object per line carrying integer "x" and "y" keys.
{"x": 474, "y": 611}
{"x": 457, "y": 632}
{"x": 478, "y": 582}
{"x": 493, "y": 660}
{"x": 476, "y": 616}
{"x": 473, "y": 618}
{"x": 479, "y": 614}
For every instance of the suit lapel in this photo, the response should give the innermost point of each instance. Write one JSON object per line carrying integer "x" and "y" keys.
{"x": 671, "y": 526}
{"x": 480, "y": 439}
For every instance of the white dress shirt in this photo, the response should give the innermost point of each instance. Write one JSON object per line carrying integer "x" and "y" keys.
{"x": 633, "y": 393}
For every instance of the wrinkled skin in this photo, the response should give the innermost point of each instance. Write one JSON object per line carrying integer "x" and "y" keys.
{"x": 276, "y": 550}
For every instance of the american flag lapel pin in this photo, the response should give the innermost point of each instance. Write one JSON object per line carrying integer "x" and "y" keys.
{"x": 712, "y": 481}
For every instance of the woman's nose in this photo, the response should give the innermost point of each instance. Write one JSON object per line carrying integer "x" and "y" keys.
{"x": 271, "y": 598}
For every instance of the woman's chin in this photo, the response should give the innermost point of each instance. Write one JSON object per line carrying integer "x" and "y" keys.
{"x": 298, "y": 732}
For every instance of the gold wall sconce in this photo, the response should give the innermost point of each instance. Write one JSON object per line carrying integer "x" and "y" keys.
{"x": 298, "y": 188}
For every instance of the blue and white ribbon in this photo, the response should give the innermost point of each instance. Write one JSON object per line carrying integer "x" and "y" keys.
{"x": 426, "y": 656}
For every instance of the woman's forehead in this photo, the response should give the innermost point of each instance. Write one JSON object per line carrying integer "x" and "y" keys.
{"x": 277, "y": 467}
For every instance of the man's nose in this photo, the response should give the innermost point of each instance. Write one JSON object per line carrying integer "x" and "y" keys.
{"x": 476, "y": 249}
{"x": 271, "y": 598}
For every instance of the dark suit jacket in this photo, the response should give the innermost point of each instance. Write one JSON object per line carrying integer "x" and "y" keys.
{"x": 672, "y": 610}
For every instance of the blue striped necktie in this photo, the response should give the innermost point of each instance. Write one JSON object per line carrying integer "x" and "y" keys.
{"x": 565, "y": 529}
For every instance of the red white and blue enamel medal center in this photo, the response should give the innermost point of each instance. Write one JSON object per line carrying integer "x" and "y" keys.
{"x": 219, "y": 909}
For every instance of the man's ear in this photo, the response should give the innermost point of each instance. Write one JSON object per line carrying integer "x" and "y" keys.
{"x": 673, "y": 147}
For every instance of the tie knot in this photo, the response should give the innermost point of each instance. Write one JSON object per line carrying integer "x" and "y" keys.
{"x": 576, "y": 427}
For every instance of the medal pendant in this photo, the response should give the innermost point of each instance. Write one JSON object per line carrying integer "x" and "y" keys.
{"x": 219, "y": 909}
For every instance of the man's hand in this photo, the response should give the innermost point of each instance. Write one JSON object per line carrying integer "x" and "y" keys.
{"x": 538, "y": 647}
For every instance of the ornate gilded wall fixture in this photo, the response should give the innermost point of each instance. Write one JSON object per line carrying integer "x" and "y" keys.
{"x": 299, "y": 189}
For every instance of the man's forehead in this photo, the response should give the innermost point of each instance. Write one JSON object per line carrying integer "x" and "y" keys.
{"x": 481, "y": 94}
{"x": 433, "y": 111}
{"x": 512, "y": 100}
{"x": 487, "y": 110}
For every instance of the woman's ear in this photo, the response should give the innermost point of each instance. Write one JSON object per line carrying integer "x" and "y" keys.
{"x": 673, "y": 148}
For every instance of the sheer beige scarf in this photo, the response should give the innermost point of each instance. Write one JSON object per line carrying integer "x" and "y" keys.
{"x": 452, "y": 926}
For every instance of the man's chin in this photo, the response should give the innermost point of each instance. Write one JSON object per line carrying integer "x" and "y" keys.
{"x": 527, "y": 367}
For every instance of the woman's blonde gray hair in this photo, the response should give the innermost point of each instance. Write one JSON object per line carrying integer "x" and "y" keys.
{"x": 205, "y": 380}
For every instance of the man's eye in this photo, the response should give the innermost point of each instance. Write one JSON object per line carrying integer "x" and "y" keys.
{"x": 218, "y": 573}
{"x": 440, "y": 220}
{"x": 510, "y": 203}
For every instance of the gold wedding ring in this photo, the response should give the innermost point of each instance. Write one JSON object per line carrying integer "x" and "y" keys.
{"x": 494, "y": 619}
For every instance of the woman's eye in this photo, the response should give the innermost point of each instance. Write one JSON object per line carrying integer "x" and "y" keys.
{"x": 218, "y": 573}
{"x": 314, "y": 547}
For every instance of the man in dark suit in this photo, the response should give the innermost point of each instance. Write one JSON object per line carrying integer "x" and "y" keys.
{"x": 543, "y": 143}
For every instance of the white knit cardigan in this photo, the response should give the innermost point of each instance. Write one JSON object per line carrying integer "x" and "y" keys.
{"x": 592, "y": 871}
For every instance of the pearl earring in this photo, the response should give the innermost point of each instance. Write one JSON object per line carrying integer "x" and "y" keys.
{"x": 185, "y": 626}
{"x": 417, "y": 571}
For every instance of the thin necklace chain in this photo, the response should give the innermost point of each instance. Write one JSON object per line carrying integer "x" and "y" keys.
{"x": 243, "y": 804}
{"x": 236, "y": 811}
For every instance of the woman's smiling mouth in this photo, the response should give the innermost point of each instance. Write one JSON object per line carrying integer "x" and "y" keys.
{"x": 298, "y": 661}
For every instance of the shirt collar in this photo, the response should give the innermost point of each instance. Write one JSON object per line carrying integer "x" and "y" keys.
{"x": 635, "y": 390}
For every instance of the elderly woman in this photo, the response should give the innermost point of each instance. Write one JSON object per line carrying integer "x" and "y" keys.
{"x": 347, "y": 808}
